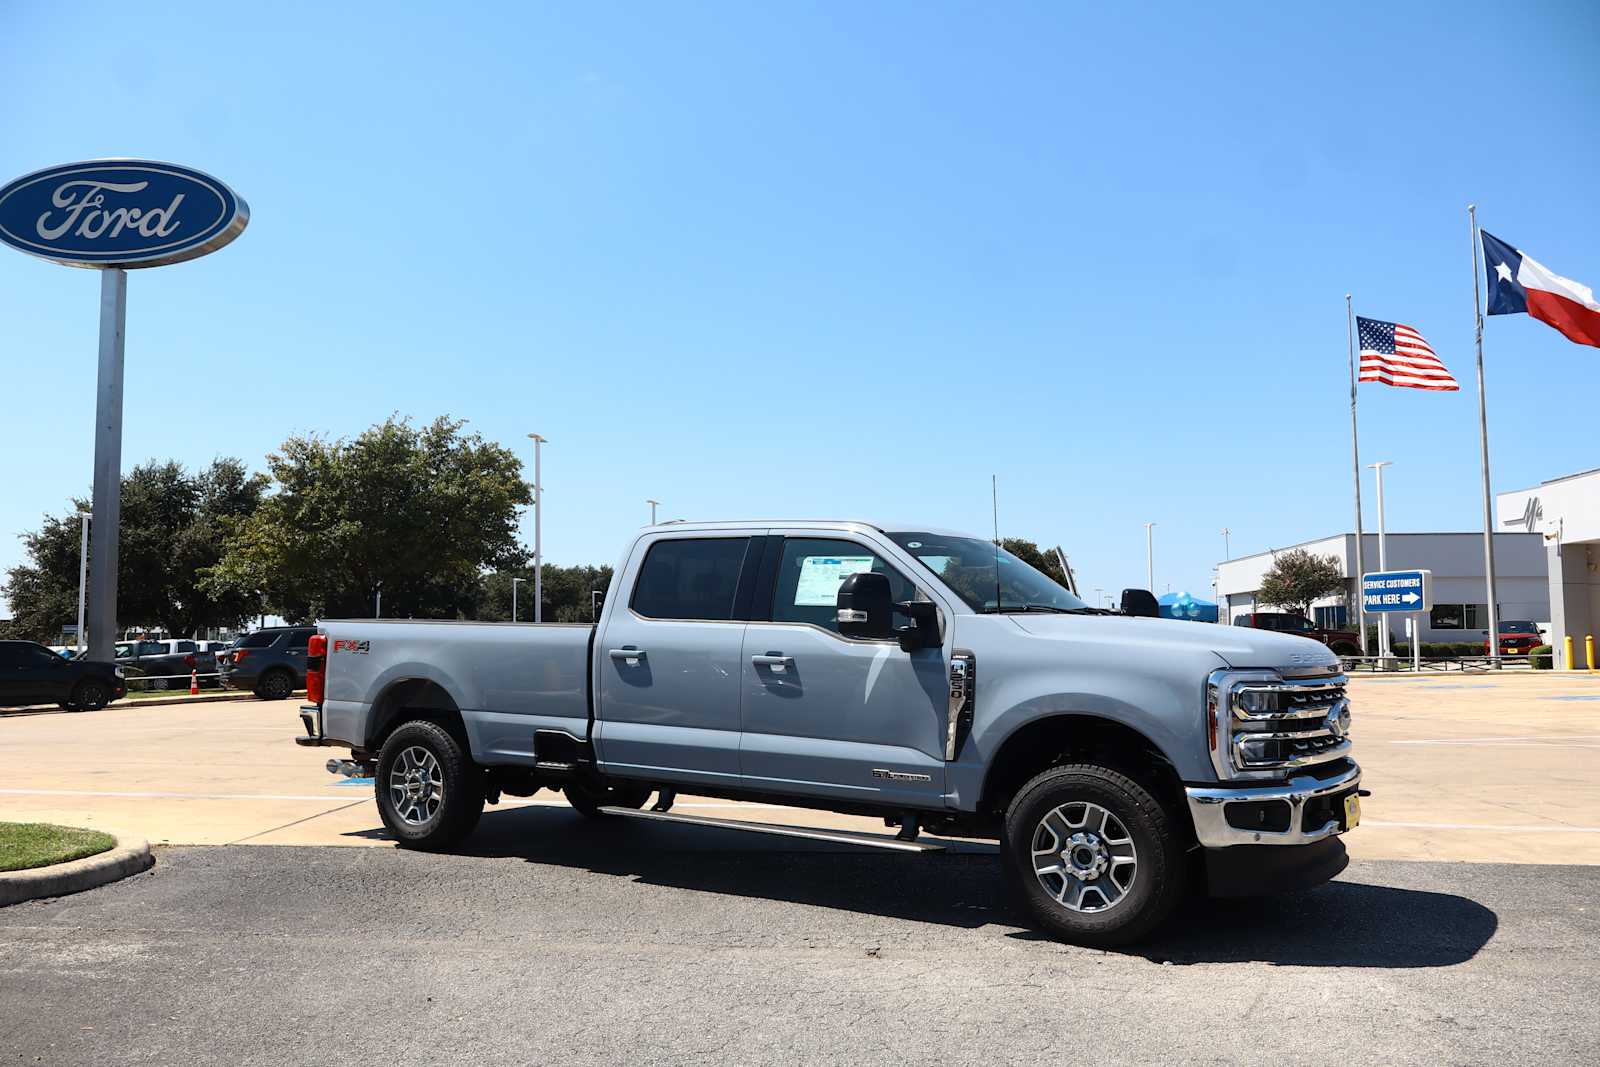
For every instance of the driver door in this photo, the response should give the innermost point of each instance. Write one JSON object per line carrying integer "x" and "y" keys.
{"x": 829, "y": 716}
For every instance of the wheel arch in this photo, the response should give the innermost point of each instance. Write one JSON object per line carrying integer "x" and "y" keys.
{"x": 410, "y": 698}
{"x": 1077, "y": 737}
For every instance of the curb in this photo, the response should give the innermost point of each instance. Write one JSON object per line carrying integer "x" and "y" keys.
{"x": 185, "y": 698}
{"x": 130, "y": 856}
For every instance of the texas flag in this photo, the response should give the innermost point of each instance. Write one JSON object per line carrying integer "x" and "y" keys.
{"x": 1517, "y": 284}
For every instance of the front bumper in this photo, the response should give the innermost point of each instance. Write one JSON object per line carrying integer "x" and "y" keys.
{"x": 1302, "y": 811}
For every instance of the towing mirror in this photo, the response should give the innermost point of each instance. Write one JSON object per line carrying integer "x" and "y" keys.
{"x": 1140, "y": 603}
{"x": 864, "y": 610}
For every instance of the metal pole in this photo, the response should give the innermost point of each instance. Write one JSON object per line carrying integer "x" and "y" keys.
{"x": 652, "y": 504}
{"x": 1149, "y": 556}
{"x": 1355, "y": 465}
{"x": 107, "y": 514}
{"x": 1483, "y": 445}
{"x": 1227, "y": 550}
{"x": 1383, "y": 557}
{"x": 377, "y": 610}
{"x": 538, "y": 544}
{"x": 83, "y": 573}
{"x": 514, "y": 583}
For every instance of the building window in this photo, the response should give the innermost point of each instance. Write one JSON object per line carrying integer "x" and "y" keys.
{"x": 1331, "y": 617}
{"x": 1459, "y": 616}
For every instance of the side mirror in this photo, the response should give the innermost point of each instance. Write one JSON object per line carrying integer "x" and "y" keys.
{"x": 864, "y": 610}
{"x": 924, "y": 629}
{"x": 1140, "y": 603}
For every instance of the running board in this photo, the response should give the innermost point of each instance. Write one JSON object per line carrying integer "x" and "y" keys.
{"x": 840, "y": 837}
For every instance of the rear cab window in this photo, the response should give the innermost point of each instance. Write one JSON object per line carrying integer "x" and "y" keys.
{"x": 690, "y": 578}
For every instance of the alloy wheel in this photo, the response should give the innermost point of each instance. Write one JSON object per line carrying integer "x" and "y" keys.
{"x": 1084, "y": 857}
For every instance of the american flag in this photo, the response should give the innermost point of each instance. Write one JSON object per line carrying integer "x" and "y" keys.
{"x": 1395, "y": 354}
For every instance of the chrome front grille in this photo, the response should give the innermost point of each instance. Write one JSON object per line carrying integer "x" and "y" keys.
{"x": 1265, "y": 724}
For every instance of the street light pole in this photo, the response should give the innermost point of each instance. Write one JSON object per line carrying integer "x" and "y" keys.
{"x": 1383, "y": 556}
{"x": 1149, "y": 556}
{"x": 514, "y": 583}
{"x": 652, "y": 504}
{"x": 1227, "y": 550}
{"x": 538, "y": 544}
{"x": 83, "y": 573}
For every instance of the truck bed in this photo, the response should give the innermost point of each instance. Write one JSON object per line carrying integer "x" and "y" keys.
{"x": 506, "y": 679}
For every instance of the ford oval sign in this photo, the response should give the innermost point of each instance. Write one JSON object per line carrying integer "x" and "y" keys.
{"x": 119, "y": 213}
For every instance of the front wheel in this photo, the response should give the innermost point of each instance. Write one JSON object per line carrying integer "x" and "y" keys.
{"x": 1092, "y": 855}
{"x": 430, "y": 793}
{"x": 89, "y": 695}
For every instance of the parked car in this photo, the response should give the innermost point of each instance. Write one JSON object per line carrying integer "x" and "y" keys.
{"x": 1343, "y": 642}
{"x": 32, "y": 674}
{"x": 270, "y": 662}
{"x": 164, "y": 664}
{"x": 1517, "y": 638}
{"x": 1119, "y": 760}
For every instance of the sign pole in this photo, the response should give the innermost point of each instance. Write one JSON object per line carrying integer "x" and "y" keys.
{"x": 1355, "y": 462}
{"x": 1416, "y": 644}
{"x": 1483, "y": 446}
{"x": 83, "y": 571}
{"x": 107, "y": 514}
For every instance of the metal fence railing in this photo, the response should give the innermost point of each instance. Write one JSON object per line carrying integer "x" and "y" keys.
{"x": 158, "y": 683}
{"x": 1398, "y": 664}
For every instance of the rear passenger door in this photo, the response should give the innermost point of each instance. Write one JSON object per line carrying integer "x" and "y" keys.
{"x": 667, "y": 662}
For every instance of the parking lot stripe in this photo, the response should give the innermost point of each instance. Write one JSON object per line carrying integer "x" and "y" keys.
{"x": 1481, "y": 826}
{"x": 1489, "y": 741}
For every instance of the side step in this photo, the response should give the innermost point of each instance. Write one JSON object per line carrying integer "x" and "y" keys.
{"x": 839, "y": 837}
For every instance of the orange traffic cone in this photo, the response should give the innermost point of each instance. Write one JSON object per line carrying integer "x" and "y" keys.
{"x": 194, "y": 683}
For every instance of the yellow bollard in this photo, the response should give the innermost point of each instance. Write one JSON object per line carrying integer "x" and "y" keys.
{"x": 1572, "y": 664}
{"x": 1588, "y": 648}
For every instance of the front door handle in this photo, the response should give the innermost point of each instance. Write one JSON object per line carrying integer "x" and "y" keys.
{"x": 630, "y": 655}
{"x": 776, "y": 660}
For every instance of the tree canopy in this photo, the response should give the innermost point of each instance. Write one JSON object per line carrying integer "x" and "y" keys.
{"x": 567, "y": 593}
{"x": 1297, "y": 578}
{"x": 172, "y": 528}
{"x": 1035, "y": 557}
{"x": 419, "y": 512}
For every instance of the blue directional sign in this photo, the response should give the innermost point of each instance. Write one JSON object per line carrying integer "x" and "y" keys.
{"x": 119, "y": 213}
{"x": 1397, "y": 591}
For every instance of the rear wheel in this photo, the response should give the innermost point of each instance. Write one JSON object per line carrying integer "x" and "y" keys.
{"x": 1092, "y": 855}
{"x": 430, "y": 793}
{"x": 89, "y": 695}
{"x": 588, "y": 800}
{"x": 275, "y": 685}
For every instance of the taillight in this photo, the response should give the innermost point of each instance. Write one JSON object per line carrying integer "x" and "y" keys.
{"x": 188, "y": 661}
{"x": 316, "y": 667}
{"x": 238, "y": 655}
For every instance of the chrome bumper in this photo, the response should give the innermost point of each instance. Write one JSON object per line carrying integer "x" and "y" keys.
{"x": 311, "y": 718}
{"x": 1208, "y": 809}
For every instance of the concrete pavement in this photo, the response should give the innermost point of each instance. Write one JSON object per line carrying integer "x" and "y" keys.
{"x": 1498, "y": 768}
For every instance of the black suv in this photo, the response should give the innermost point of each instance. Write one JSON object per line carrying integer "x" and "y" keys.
{"x": 270, "y": 662}
{"x": 32, "y": 674}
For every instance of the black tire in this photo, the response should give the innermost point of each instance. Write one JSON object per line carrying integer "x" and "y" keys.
{"x": 1143, "y": 900}
{"x": 89, "y": 695}
{"x": 588, "y": 801}
{"x": 275, "y": 685}
{"x": 158, "y": 685}
{"x": 460, "y": 788}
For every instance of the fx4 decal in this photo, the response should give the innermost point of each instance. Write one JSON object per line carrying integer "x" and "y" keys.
{"x": 360, "y": 648}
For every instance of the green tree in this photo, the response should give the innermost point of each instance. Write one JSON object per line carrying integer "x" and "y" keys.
{"x": 172, "y": 528}
{"x": 567, "y": 593}
{"x": 419, "y": 512}
{"x": 1035, "y": 557}
{"x": 1297, "y": 578}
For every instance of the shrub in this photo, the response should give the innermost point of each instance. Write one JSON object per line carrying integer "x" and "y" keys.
{"x": 1542, "y": 657}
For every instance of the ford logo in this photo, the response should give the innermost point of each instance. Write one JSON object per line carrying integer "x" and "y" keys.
{"x": 119, "y": 213}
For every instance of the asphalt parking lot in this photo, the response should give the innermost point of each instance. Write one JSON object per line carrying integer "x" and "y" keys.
{"x": 1465, "y": 930}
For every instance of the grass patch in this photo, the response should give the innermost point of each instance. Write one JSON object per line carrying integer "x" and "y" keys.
{"x": 39, "y": 844}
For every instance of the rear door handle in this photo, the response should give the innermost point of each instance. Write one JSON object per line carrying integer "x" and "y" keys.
{"x": 631, "y": 655}
{"x": 777, "y": 661}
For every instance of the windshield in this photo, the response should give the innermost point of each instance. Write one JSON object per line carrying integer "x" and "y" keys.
{"x": 1518, "y": 628}
{"x": 986, "y": 576}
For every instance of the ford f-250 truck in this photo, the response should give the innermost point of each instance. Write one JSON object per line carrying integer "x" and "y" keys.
{"x": 929, "y": 678}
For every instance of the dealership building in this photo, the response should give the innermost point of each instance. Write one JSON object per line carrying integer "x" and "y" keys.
{"x": 1564, "y": 515}
{"x": 1523, "y": 569}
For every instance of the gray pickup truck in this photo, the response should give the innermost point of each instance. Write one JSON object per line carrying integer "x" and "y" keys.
{"x": 926, "y": 677}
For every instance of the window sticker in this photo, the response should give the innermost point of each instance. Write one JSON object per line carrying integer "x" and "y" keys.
{"x": 821, "y": 576}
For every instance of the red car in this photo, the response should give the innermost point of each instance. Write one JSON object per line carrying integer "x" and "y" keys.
{"x": 1516, "y": 638}
{"x": 1343, "y": 642}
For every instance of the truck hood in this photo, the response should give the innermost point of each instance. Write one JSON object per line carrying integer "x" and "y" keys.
{"x": 1239, "y": 647}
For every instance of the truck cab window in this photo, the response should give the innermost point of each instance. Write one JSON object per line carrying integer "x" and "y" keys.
{"x": 690, "y": 578}
{"x": 811, "y": 571}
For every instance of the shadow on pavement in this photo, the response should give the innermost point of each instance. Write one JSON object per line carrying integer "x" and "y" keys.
{"x": 1342, "y": 924}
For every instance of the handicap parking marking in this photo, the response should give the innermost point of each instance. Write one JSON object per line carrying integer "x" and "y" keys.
{"x": 356, "y": 781}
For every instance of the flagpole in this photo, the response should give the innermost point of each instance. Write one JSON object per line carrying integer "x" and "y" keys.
{"x": 1355, "y": 462}
{"x": 1483, "y": 443}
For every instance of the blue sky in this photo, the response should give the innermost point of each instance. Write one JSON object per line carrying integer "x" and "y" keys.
{"x": 830, "y": 259}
